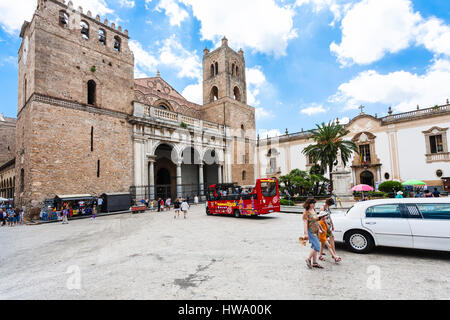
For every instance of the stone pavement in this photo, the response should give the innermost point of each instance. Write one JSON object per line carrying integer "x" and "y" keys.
{"x": 154, "y": 256}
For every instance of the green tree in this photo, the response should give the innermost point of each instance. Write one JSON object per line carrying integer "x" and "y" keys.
{"x": 329, "y": 141}
{"x": 303, "y": 183}
{"x": 391, "y": 187}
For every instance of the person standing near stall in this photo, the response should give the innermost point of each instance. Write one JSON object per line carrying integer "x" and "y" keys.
{"x": 65, "y": 213}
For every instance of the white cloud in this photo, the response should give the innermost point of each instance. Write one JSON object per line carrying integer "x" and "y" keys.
{"x": 255, "y": 81}
{"x": 434, "y": 35}
{"x": 127, "y": 3}
{"x": 14, "y": 13}
{"x": 337, "y": 7}
{"x": 403, "y": 90}
{"x": 144, "y": 63}
{"x": 261, "y": 114}
{"x": 264, "y": 133}
{"x": 175, "y": 55}
{"x": 194, "y": 93}
{"x": 173, "y": 10}
{"x": 261, "y": 25}
{"x": 373, "y": 28}
{"x": 313, "y": 110}
{"x": 170, "y": 54}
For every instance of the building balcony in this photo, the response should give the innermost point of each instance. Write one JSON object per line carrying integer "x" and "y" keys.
{"x": 438, "y": 157}
{"x": 273, "y": 170}
{"x": 173, "y": 118}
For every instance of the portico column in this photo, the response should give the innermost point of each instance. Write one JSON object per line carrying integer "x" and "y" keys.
{"x": 201, "y": 180}
{"x": 152, "y": 178}
{"x": 179, "y": 181}
{"x": 219, "y": 172}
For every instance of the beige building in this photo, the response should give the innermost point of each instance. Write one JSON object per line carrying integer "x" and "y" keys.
{"x": 404, "y": 146}
{"x": 86, "y": 126}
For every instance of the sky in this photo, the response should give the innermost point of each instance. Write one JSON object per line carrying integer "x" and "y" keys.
{"x": 307, "y": 61}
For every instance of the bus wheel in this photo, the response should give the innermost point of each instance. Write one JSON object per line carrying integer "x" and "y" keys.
{"x": 207, "y": 211}
{"x": 237, "y": 213}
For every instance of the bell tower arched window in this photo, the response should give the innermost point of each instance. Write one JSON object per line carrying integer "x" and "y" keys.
{"x": 84, "y": 29}
{"x": 117, "y": 44}
{"x": 63, "y": 19}
{"x": 102, "y": 36}
{"x": 214, "y": 94}
{"x": 237, "y": 94}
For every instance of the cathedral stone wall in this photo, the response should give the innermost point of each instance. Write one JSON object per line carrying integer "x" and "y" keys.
{"x": 7, "y": 139}
{"x": 64, "y": 159}
{"x": 57, "y": 122}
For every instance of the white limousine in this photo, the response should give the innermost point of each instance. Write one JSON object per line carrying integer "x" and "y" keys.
{"x": 419, "y": 223}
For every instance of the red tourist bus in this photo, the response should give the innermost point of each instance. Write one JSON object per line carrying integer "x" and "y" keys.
{"x": 231, "y": 199}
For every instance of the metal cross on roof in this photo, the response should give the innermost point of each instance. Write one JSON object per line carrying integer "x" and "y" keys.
{"x": 361, "y": 108}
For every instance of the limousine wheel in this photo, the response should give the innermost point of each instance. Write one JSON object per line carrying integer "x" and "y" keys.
{"x": 237, "y": 213}
{"x": 207, "y": 211}
{"x": 359, "y": 241}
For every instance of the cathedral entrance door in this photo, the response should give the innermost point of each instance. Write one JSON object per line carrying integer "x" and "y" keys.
{"x": 163, "y": 184}
{"x": 367, "y": 177}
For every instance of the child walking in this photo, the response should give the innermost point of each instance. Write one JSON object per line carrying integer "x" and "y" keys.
{"x": 324, "y": 239}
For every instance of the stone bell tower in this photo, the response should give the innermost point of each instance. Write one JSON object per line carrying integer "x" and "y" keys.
{"x": 225, "y": 102}
{"x": 76, "y": 87}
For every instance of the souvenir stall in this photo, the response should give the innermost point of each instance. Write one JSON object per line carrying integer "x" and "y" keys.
{"x": 78, "y": 205}
{"x": 115, "y": 202}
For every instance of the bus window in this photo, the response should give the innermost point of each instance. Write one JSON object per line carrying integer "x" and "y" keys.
{"x": 269, "y": 189}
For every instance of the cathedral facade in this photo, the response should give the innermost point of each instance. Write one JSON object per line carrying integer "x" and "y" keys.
{"x": 86, "y": 126}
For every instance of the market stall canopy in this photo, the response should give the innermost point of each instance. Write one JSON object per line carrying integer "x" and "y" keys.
{"x": 75, "y": 197}
{"x": 362, "y": 187}
{"x": 3, "y": 199}
{"x": 414, "y": 183}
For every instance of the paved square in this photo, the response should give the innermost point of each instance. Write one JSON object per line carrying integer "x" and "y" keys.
{"x": 153, "y": 256}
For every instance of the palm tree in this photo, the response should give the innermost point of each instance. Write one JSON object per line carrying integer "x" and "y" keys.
{"x": 329, "y": 141}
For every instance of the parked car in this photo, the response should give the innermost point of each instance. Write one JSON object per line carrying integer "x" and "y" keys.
{"x": 419, "y": 223}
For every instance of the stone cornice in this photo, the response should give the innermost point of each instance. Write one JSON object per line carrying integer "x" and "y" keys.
{"x": 36, "y": 97}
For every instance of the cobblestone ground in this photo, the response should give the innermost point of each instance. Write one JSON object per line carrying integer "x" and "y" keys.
{"x": 154, "y": 256}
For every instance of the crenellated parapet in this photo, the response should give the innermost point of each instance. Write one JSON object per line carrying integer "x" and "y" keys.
{"x": 75, "y": 23}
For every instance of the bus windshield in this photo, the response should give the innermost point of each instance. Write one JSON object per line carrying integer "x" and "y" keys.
{"x": 268, "y": 188}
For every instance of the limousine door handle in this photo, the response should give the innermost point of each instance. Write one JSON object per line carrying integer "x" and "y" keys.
{"x": 371, "y": 223}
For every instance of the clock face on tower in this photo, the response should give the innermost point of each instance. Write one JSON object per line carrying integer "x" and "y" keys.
{"x": 25, "y": 51}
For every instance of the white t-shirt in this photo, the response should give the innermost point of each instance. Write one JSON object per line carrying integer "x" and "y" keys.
{"x": 185, "y": 206}
{"x": 195, "y": 199}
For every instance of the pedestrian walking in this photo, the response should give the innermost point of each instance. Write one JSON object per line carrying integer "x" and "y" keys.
{"x": 311, "y": 231}
{"x": 65, "y": 212}
{"x": 177, "y": 207}
{"x": 152, "y": 205}
{"x": 323, "y": 237}
{"x": 94, "y": 212}
{"x": 330, "y": 226}
{"x": 168, "y": 203}
{"x": 159, "y": 204}
{"x": 196, "y": 200}
{"x": 185, "y": 208}
{"x": 99, "y": 204}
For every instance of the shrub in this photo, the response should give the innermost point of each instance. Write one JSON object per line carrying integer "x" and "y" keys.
{"x": 285, "y": 202}
{"x": 391, "y": 187}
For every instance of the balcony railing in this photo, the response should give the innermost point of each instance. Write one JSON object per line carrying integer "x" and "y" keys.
{"x": 273, "y": 170}
{"x": 417, "y": 114}
{"x": 178, "y": 118}
{"x": 438, "y": 157}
